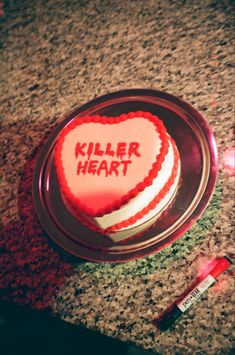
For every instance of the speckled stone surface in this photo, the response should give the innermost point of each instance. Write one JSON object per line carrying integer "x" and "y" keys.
{"x": 56, "y": 55}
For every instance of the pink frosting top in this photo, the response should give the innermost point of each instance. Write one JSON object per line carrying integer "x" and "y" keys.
{"x": 100, "y": 160}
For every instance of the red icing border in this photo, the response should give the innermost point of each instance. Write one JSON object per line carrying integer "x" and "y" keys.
{"x": 74, "y": 202}
{"x": 162, "y": 193}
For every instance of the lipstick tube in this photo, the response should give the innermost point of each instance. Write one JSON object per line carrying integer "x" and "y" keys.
{"x": 187, "y": 301}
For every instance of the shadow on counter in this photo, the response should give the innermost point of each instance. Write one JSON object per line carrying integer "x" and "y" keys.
{"x": 24, "y": 331}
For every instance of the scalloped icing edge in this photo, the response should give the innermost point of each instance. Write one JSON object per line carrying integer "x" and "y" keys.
{"x": 128, "y": 222}
{"x": 74, "y": 203}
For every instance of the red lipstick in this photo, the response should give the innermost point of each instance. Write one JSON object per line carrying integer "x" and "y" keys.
{"x": 203, "y": 282}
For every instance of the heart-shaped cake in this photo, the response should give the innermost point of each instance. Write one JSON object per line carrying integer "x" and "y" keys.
{"x": 116, "y": 173}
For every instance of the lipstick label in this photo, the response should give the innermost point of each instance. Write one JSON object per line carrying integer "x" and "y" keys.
{"x": 195, "y": 293}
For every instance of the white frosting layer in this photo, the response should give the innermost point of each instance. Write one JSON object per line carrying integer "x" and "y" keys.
{"x": 97, "y": 190}
{"x": 142, "y": 199}
{"x": 149, "y": 218}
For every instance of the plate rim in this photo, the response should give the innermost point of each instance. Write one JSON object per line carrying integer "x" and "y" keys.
{"x": 196, "y": 213}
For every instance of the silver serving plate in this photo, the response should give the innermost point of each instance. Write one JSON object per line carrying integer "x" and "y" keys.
{"x": 199, "y": 167}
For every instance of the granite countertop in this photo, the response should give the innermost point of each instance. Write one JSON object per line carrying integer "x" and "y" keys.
{"x": 59, "y": 54}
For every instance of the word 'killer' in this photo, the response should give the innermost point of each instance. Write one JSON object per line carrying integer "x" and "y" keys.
{"x": 115, "y": 166}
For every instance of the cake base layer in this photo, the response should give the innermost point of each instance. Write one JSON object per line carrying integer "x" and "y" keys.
{"x": 149, "y": 219}
{"x": 116, "y": 174}
{"x": 145, "y": 217}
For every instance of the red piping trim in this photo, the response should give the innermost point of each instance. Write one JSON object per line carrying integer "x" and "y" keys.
{"x": 152, "y": 204}
{"x": 73, "y": 201}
